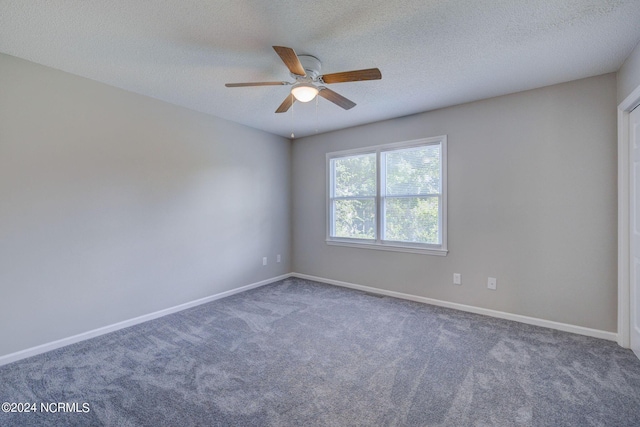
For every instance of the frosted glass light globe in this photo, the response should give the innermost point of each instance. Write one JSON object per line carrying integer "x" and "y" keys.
{"x": 304, "y": 92}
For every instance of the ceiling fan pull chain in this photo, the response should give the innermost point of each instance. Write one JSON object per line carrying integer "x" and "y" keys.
{"x": 292, "y": 122}
{"x": 316, "y": 113}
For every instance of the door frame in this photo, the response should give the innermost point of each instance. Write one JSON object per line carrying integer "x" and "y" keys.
{"x": 624, "y": 209}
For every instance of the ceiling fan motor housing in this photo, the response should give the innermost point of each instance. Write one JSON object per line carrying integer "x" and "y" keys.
{"x": 312, "y": 66}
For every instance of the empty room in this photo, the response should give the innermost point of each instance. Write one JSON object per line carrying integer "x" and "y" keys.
{"x": 354, "y": 213}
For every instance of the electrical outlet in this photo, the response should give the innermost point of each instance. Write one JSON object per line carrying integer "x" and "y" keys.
{"x": 492, "y": 283}
{"x": 278, "y": 259}
{"x": 457, "y": 279}
{"x": 264, "y": 260}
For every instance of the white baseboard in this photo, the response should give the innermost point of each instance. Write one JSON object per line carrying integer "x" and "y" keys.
{"x": 23, "y": 354}
{"x": 596, "y": 333}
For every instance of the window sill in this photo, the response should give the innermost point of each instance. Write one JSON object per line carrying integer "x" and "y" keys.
{"x": 388, "y": 247}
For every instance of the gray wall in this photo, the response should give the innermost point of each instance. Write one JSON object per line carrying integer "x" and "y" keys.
{"x": 629, "y": 74}
{"x": 532, "y": 201}
{"x": 114, "y": 205}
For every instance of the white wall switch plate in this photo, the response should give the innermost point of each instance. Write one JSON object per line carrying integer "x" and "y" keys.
{"x": 278, "y": 259}
{"x": 264, "y": 260}
{"x": 492, "y": 283}
{"x": 457, "y": 279}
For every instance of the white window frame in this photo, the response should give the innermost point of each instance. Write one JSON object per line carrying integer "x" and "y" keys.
{"x": 378, "y": 243}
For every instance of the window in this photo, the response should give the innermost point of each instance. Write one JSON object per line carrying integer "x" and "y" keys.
{"x": 390, "y": 197}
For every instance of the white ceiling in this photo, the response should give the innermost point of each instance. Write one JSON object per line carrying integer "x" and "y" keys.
{"x": 432, "y": 53}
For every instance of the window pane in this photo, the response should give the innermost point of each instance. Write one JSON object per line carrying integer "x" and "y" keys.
{"x": 413, "y": 171}
{"x": 355, "y": 218}
{"x": 355, "y": 175}
{"x": 412, "y": 219}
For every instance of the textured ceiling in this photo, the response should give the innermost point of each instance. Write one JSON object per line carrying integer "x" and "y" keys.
{"x": 432, "y": 53}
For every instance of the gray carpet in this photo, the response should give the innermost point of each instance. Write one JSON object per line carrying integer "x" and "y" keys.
{"x": 300, "y": 353}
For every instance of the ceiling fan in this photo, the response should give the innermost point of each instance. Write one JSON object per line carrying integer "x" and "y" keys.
{"x": 305, "y": 69}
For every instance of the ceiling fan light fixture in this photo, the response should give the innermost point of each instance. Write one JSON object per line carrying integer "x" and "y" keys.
{"x": 304, "y": 92}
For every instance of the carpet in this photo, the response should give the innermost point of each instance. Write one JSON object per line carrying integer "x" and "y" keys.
{"x": 301, "y": 353}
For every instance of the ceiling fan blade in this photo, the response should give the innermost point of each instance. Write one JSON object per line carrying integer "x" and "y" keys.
{"x": 290, "y": 59}
{"x": 286, "y": 104}
{"x": 336, "y": 98}
{"x": 256, "y": 84}
{"x": 352, "y": 76}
